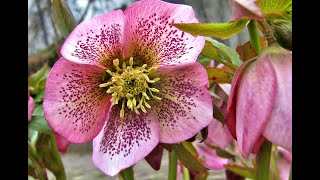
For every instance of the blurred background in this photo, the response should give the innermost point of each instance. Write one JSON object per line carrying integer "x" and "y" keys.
{"x": 44, "y": 41}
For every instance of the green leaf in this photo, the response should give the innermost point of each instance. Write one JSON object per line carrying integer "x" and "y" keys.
{"x": 126, "y": 174}
{"x": 48, "y": 150}
{"x": 189, "y": 147}
{"x": 246, "y": 51}
{"x": 263, "y": 161}
{"x": 276, "y": 7}
{"x": 204, "y": 61}
{"x": 38, "y": 111}
{"x": 63, "y": 17}
{"x": 221, "y": 53}
{"x": 39, "y": 123}
{"x": 40, "y": 95}
{"x": 216, "y": 75}
{"x": 187, "y": 159}
{"x": 242, "y": 171}
{"x": 36, "y": 81}
{"x": 216, "y": 30}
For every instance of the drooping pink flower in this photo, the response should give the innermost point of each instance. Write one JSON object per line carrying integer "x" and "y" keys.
{"x": 129, "y": 80}
{"x": 260, "y": 103}
{"x": 30, "y": 107}
{"x": 245, "y": 9}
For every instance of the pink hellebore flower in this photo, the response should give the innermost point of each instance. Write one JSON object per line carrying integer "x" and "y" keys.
{"x": 260, "y": 103}
{"x": 129, "y": 80}
{"x": 30, "y": 107}
{"x": 245, "y": 9}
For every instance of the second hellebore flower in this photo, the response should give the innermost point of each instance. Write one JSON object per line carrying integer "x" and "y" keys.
{"x": 129, "y": 80}
{"x": 260, "y": 102}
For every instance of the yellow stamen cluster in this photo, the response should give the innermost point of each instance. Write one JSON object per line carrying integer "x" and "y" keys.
{"x": 131, "y": 85}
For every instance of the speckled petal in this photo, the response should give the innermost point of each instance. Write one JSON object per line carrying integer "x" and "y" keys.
{"x": 186, "y": 105}
{"x": 154, "y": 158}
{"x": 218, "y": 135}
{"x": 151, "y": 37}
{"x": 74, "y": 105}
{"x": 62, "y": 143}
{"x": 124, "y": 142}
{"x": 212, "y": 160}
{"x": 279, "y": 128}
{"x": 255, "y": 100}
{"x": 96, "y": 41}
{"x": 30, "y": 107}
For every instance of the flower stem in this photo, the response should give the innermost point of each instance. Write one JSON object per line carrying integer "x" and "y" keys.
{"x": 263, "y": 161}
{"x": 186, "y": 175}
{"x": 290, "y": 177}
{"x": 267, "y": 32}
{"x": 274, "y": 166}
{"x": 41, "y": 173}
{"x": 172, "y": 165}
{"x": 126, "y": 174}
{"x": 61, "y": 174}
{"x": 254, "y": 35}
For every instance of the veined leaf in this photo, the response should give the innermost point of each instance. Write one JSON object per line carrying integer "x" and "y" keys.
{"x": 216, "y": 30}
{"x": 63, "y": 17}
{"x": 35, "y": 80}
{"x": 246, "y": 51}
{"x": 221, "y": 53}
{"x": 38, "y": 111}
{"x": 39, "y": 123}
{"x": 216, "y": 75}
{"x": 276, "y": 7}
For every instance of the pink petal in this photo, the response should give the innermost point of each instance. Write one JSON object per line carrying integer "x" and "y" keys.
{"x": 218, "y": 134}
{"x": 30, "y": 107}
{"x": 151, "y": 37}
{"x": 245, "y": 8}
{"x": 124, "y": 142}
{"x": 62, "y": 143}
{"x": 232, "y": 101}
{"x": 74, "y": 105}
{"x": 212, "y": 160}
{"x": 154, "y": 158}
{"x": 284, "y": 164}
{"x": 256, "y": 96}
{"x": 279, "y": 128}
{"x": 97, "y": 41}
{"x": 186, "y": 105}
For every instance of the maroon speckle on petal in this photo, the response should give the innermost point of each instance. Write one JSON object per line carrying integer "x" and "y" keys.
{"x": 122, "y": 134}
{"x": 183, "y": 92}
{"x": 80, "y": 98}
{"x": 156, "y": 40}
{"x": 101, "y": 46}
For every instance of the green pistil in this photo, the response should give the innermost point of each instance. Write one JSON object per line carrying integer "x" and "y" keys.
{"x": 130, "y": 85}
